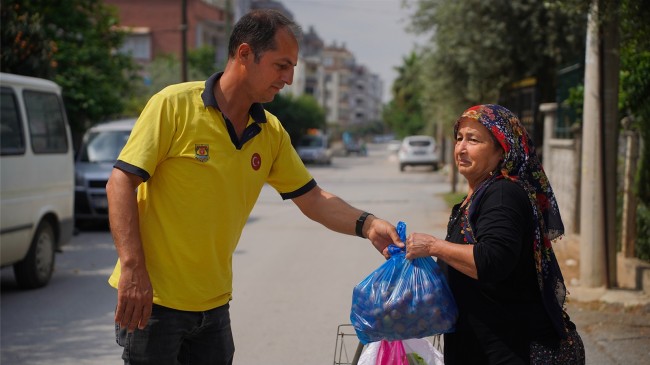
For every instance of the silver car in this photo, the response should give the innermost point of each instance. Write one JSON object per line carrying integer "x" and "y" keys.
{"x": 100, "y": 147}
{"x": 418, "y": 150}
{"x": 315, "y": 149}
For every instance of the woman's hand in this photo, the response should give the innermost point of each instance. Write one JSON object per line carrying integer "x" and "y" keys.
{"x": 419, "y": 245}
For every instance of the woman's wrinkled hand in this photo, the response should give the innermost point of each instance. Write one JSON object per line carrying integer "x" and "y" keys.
{"x": 419, "y": 245}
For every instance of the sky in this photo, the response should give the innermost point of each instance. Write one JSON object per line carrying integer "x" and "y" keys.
{"x": 373, "y": 30}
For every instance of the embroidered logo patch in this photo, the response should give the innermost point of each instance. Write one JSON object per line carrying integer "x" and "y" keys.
{"x": 202, "y": 152}
{"x": 256, "y": 161}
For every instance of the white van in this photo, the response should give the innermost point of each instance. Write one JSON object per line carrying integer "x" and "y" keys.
{"x": 36, "y": 177}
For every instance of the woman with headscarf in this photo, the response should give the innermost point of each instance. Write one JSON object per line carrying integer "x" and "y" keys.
{"x": 497, "y": 254}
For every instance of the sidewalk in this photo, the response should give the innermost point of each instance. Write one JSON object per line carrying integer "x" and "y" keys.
{"x": 614, "y": 323}
{"x": 567, "y": 251}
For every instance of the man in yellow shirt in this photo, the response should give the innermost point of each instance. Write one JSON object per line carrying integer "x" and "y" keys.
{"x": 199, "y": 156}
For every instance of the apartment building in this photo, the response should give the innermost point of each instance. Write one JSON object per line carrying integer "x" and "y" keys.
{"x": 349, "y": 93}
{"x": 155, "y": 27}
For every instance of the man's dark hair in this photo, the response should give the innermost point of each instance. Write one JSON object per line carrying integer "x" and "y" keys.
{"x": 258, "y": 29}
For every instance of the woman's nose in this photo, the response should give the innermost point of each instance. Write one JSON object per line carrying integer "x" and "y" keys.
{"x": 460, "y": 145}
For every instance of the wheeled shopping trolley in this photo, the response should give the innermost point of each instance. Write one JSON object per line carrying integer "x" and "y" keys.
{"x": 348, "y": 347}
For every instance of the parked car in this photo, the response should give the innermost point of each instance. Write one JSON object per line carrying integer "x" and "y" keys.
{"x": 100, "y": 147}
{"x": 315, "y": 149}
{"x": 37, "y": 178}
{"x": 418, "y": 150}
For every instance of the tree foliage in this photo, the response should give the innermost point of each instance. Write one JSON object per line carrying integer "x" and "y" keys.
{"x": 477, "y": 47}
{"x": 73, "y": 43}
{"x": 165, "y": 70}
{"x": 635, "y": 101}
{"x": 297, "y": 114}
{"x": 404, "y": 114}
{"x": 635, "y": 80}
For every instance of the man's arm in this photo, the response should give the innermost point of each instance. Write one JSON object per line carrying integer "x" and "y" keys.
{"x": 134, "y": 291}
{"x": 337, "y": 215}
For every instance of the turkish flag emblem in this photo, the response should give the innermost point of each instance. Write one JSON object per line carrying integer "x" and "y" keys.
{"x": 256, "y": 161}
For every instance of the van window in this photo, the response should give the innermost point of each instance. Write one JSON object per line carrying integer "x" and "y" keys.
{"x": 12, "y": 140}
{"x": 46, "y": 122}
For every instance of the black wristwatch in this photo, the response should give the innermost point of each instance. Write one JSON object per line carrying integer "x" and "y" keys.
{"x": 360, "y": 221}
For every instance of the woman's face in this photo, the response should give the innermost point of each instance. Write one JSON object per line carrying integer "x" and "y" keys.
{"x": 476, "y": 154}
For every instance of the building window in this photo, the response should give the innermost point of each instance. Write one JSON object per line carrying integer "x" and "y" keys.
{"x": 138, "y": 46}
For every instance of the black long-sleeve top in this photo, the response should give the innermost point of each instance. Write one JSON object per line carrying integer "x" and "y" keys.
{"x": 502, "y": 311}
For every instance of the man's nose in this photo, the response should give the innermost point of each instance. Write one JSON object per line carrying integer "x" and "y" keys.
{"x": 287, "y": 77}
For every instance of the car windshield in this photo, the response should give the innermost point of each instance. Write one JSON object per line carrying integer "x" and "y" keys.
{"x": 419, "y": 143}
{"x": 311, "y": 141}
{"x": 103, "y": 146}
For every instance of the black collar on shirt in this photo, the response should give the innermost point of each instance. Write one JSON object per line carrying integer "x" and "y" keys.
{"x": 256, "y": 111}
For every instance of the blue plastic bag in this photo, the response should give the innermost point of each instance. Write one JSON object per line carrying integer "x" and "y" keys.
{"x": 403, "y": 299}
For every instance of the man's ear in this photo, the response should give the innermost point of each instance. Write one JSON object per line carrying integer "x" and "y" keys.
{"x": 244, "y": 52}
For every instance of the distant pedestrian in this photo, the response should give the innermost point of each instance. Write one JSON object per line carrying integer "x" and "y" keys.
{"x": 497, "y": 254}
{"x": 199, "y": 156}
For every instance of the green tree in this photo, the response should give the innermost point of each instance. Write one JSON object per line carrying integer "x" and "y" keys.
{"x": 201, "y": 63}
{"x": 404, "y": 114}
{"x": 477, "y": 47}
{"x": 73, "y": 43}
{"x": 635, "y": 101}
{"x": 165, "y": 70}
{"x": 297, "y": 114}
{"x": 635, "y": 79}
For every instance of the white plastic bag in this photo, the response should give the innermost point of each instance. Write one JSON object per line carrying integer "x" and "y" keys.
{"x": 369, "y": 354}
{"x": 425, "y": 349}
{"x": 420, "y": 346}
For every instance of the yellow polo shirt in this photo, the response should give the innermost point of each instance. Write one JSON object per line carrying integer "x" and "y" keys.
{"x": 201, "y": 184}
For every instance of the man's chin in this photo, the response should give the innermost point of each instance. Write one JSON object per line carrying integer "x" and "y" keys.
{"x": 269, "y": 98}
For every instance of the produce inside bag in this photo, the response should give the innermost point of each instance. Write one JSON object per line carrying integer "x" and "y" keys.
{"x": 403, "y": 299}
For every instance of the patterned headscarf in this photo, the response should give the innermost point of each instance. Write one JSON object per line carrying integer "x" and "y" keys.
{"x": 521, "y": 165}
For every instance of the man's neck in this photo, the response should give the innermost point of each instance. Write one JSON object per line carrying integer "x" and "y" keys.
{"x": 233, "y": 103}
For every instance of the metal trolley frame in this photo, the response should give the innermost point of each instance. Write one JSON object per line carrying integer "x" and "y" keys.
{"x": 347, "y": 346}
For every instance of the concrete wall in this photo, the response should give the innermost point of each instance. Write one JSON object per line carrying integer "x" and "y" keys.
{"x": 561, "y": 161}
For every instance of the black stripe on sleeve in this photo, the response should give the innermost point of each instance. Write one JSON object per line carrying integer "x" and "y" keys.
{"x": 296, "y": 193}
{"x": 127, "y": 167}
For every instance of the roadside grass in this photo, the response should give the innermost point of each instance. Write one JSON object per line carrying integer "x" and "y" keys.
{"x": 453, "y": 198}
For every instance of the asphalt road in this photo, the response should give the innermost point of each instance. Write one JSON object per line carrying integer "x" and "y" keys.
{"x": 293, "y": 281}
{"x": 292, "y": 287}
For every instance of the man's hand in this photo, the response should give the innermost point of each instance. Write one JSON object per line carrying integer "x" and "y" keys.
{"x": 134, "y": 299}
{"x": 382, "y": 233}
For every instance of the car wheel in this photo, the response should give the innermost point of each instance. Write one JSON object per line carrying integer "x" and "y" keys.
{"x": 35, "y": 270}
{"x": 435, "y": 167}
{"x": 402, "y": 166}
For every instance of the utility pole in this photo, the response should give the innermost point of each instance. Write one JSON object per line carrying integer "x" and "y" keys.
{"x": 593, "y": 263}
{"x": 610, "y": 69}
